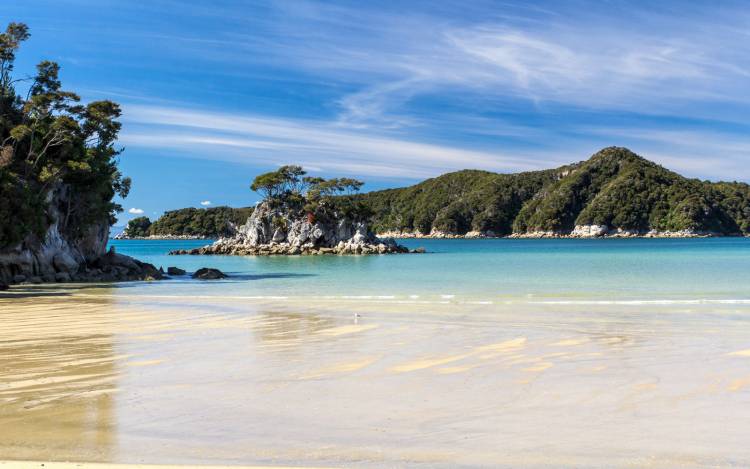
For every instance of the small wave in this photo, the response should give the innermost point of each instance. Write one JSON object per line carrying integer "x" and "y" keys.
{"x": 641, "y": 302}
{"x": 442, "y": 299}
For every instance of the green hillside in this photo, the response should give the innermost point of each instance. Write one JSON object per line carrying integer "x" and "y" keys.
{"x": 199, "y": 222}
{"x": 615, "y": 188}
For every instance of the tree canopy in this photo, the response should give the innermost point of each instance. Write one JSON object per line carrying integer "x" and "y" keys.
{"x": 289, "y": 186}
{"x": 615, "y": 187}
{"x": 50, "y": 140}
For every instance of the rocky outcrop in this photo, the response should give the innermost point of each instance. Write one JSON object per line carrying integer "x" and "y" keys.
{"x": 206, "y": 273}
{"x": 437, "y": 234}
{"x": 58, "y": 257}
{"x": 603, "y": 231}
{"x": 175, "y": 271}
{"x": 579, "y": 231}
{"x": 273, "y": 231}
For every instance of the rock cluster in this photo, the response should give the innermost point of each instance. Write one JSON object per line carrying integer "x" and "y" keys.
{"x": 579, "y": 231}
{"x": 271, "y": 231}
{"x": 59, "y": 257}
{"x": 109, "y": 267}
{"x": 603, "y": 231}
{"x": 438, "y": 234}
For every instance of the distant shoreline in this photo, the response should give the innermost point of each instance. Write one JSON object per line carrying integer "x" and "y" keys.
{"x": 578, "y": 233}
{"x": 164, "y": 238}
{"x": 473, "y": 235}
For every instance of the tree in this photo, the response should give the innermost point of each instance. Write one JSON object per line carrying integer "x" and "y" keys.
{"x": 48, "y": 140}
{"x": 10, "y": 41}
{"x": 138, "y": 227}
{"x": 277, "y": 185}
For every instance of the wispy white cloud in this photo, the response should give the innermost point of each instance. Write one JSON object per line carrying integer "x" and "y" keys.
{"x": 206, "y": 203}
{"x": 327, "y": 147}
{"x": 323, "y": 145}
{"x": 411, "y": 92}
{"x": 620, "y": 57}
{"x": 135, "y": 211}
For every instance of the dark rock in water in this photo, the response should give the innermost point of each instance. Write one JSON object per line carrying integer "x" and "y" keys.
{"x": 113, "y": 267}
{"x": 175, "y": 271}
{"x": 3, "y": 287}
{"x": 419, "y": 250}
{"x": 206, "y": 273}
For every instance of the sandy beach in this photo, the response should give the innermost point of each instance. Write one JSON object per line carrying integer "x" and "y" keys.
{"x": 85, "y": 465}
{"x": 92, "y": 375}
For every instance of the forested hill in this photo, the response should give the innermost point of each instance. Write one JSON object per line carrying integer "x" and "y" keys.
{"x": 615, "y": 190}
{"x": 212, "y": 222}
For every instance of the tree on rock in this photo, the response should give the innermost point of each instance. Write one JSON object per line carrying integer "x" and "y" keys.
{"x": 283, "y": 182}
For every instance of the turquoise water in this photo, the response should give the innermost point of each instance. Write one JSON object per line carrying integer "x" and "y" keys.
{"x": 620, "y": 270}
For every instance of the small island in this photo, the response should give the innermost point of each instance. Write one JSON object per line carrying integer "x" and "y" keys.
{"x": 303, "y": 215}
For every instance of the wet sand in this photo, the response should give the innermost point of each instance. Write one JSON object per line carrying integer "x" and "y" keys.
{"x": 92, "y": 375}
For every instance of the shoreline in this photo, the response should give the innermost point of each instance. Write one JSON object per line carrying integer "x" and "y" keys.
{"x": 118, "y": 362}
{"x": 162, "y": 238}
{"x": 554, "y": 235}
{"x": 104, "y": 465}
{"x": 472, "y": 235}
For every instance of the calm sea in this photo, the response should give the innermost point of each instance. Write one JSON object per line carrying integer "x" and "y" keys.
{"x": 495, "y": 270}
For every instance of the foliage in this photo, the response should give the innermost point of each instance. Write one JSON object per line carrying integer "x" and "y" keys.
{"x": 281, "y": 183}
{"x": 318, "y": 197}
{"x": 204, "y": 222}
{"x": 138, "y": 227}
{"x": 615, "y": 187}
{"x": 456, "y": 202}
{"x": 51, "y": 143}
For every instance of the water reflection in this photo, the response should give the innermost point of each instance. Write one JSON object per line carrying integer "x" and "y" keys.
{"x": 56, "y": 384}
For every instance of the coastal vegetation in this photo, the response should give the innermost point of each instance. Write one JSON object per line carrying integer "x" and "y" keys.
{"x": 212, "y": 222}
{"x": 58, "y": 178}
{"x": 55, "y": 153}
{"x": 302, "y": 215}
{"x": 615, "y": 189}
{"x": 314, "y": 197}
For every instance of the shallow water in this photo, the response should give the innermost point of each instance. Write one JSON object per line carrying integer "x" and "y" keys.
{"x": 482, "y": 270}
{"x": 539, "y": 353}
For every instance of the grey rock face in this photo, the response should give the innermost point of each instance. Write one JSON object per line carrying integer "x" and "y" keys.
{"x": 273, "y": 231}
{"x": 58, "y": 258}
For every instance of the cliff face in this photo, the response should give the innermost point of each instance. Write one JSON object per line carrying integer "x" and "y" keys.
{"x": 272, "y": 230}
{"x": 61, "y": 257}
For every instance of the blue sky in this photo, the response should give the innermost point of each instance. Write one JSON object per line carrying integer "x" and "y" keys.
{"x": 393, "y": 92}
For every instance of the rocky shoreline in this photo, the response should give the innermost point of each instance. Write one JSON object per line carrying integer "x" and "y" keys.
{"x": 109, "y": 267}
{"x": 227, "y": 247}
{"x": 59, "y": 257}
{"x": 275, "y": 230}
{"x": 579, "y": 232}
